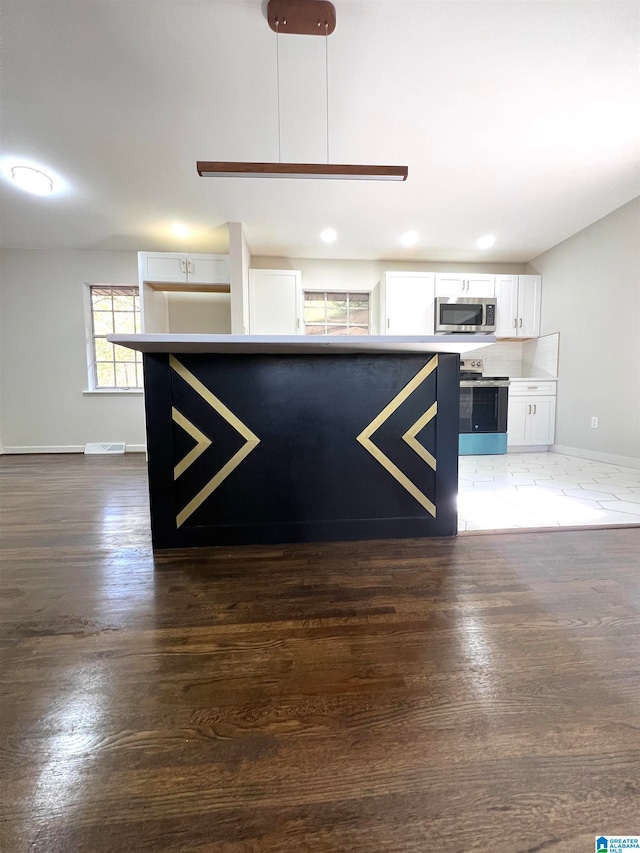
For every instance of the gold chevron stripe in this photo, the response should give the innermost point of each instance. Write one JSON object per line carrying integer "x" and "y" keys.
{"x": 202, "y": 442}
{"x": 365, "y": 436}
{"x": 412, "y": 441}
{"x": 399, "y": 399}
{"x": 251, "y": 440}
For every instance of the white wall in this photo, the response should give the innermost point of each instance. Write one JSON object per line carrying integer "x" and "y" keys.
{"x": 340, "y": 274}
{"x": 1, "y": 445}
{"x": 192, "y": 313}
{"x": 43, "y": 352}
{"x": 591, "y": 295}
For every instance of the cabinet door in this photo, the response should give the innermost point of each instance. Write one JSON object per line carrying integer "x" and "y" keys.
{"x": 542, "y": 420}
{"x": 162, "y": 266}
{"x": 450, "y": 284}
{"x": 529, "y": 299}
{"x": 507, "y": 309}
{"x": 517, "y": 414}
{"x": 409, "y": 301}
{"x": 208, "y": 269}
{"x": 460, "y": 284}
{"x": 274, "y": 300}
{"x": 480, "y": 285}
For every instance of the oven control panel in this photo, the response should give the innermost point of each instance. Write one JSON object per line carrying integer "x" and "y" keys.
{"x": 471, "y": 365}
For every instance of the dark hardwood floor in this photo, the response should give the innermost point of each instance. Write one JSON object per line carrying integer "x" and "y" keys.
{"x": 453, "y": 695}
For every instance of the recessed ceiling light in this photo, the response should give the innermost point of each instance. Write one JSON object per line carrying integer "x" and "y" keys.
{"x": 410, "y": 238}
{"x": 486, "y": 242}
{"x": 180, "y": 230}
{"x": 32, "y": 180}
{"x": 329, "y": 235}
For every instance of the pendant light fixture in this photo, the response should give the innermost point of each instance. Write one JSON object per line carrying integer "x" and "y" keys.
{"x": 302, "y": 17}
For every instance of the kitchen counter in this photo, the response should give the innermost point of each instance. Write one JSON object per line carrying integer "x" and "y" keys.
{"x": 533, "y": 378}
{"x": 302, "y": 344}
{"x": 258, "y": 440}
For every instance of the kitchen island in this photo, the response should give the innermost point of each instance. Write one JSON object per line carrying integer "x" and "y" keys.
{"x": 256, "y": 439}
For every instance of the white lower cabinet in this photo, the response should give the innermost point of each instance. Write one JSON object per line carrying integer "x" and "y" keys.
{"x": 275, "y": 300}
{"x": 531, "y": 414}
{"x": 408, "y": 301}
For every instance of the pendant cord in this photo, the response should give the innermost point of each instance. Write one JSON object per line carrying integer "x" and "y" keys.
{"x": 326, "y": 63}
{"x": 278, "y": 83}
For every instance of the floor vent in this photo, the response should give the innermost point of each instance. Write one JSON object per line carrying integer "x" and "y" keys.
{"x": 108, "y": 448}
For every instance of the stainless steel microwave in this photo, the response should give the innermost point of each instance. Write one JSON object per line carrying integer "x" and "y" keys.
{"x": 464, "y": 314}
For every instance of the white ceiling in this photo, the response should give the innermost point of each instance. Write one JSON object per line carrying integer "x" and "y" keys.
{"x": 515, "y": 117}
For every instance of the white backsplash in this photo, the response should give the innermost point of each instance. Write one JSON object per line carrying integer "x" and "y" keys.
{"x": 501, "y": 359}
{"x": 536, "y": 357}
{"x": 540, "y": 356}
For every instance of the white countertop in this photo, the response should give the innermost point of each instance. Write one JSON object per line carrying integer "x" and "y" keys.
{"x": 302, "y": 344}
{"x": 533, "y": 378}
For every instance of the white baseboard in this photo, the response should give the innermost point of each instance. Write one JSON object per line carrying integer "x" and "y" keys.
{"x": 29, "y": 448}
{"x": 596, "y": 456}
{"x": 528, "y": 448}
{"x": 66, "y": 448}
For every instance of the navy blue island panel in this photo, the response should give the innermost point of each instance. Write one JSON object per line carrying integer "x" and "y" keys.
{"x": 278, "y": 448}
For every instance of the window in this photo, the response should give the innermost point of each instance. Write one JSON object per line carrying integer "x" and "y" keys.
{"x": 114, "y": 309}
{"x": 336, "y": 313}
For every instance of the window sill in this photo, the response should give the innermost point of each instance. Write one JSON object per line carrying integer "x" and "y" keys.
{"x": 113, "y": 392}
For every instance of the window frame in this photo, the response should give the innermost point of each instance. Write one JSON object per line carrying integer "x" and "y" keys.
{"x": 92, "y": 385}
{"x": 347, "y": 291}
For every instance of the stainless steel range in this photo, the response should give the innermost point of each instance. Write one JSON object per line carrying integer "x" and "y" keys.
{"x": 483, "y": 410}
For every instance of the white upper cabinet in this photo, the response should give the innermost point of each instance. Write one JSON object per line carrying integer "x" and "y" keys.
{"x": 408, "y": 301}
{"x": 476, "y": 285}
{"x": 275, "y": 300}
{"x": 183, "y": 268}
{"x": 162, "y": 266}
{"x": 171, "y": 284}
{"x": 519, "y": 300}
{"x": 507, "y": 308}
{"x": 529, "y": 302}
{"x": 208, "y": 269}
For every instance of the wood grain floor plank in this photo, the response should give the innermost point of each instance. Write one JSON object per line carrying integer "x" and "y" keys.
{"x": 460, "y": 695}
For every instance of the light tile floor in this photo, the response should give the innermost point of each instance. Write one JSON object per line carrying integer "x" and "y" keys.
{"x": 544, "y": 490}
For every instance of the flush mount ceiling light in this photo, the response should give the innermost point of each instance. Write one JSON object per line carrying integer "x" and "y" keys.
{"x": 32, "y": 180}
{"x": 302, "y": 17}
{"x": 329, "y": 235}
{"x": 486, "y": 242}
